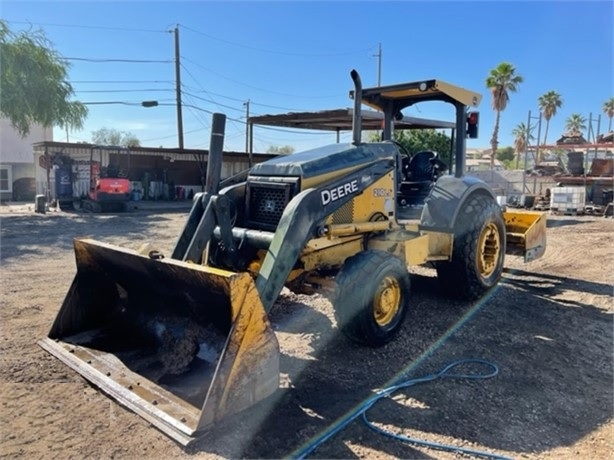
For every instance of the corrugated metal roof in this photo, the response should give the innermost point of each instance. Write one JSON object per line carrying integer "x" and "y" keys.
{"x": 174, "y": 153}
{"x": 341, "y": 120}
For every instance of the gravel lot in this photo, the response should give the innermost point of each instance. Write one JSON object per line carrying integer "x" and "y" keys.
{"x": 548, "y": 328}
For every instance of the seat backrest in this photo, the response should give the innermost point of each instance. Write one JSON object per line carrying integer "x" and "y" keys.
{"x": 420, "y": 166}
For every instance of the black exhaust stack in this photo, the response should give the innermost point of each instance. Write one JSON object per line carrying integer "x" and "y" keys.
{"x": 357, "y": 116}
{"x": 190, "y": 242}
{"x": 216, "y": 154}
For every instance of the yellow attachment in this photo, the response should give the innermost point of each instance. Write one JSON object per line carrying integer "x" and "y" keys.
{"x": 387, "y": 301}
{"x": 181, "y": 344}
{"x": 526, "y": 234}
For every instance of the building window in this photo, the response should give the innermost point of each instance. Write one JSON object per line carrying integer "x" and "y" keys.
{"x": 5, "y": 179}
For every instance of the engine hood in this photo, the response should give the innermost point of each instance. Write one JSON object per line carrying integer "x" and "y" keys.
{"x": 324, "y": 160}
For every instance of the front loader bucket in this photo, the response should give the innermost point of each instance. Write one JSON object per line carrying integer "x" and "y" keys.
{"x": 526, "y": 234}
{"x": 180, "y": 344}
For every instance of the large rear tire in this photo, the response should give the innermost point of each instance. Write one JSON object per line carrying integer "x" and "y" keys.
{"x": 479, "y": 250}
{"x": 371, "y": 295}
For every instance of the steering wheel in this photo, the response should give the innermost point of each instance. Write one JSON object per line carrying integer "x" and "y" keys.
{"x": 405, "y": 158}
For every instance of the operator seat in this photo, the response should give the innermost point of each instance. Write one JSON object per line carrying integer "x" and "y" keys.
{"x": 421, "y": 167}
{"x": 419, "y": 174}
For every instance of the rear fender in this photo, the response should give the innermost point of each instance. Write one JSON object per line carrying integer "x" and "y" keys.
{"x": 446, "y": 199}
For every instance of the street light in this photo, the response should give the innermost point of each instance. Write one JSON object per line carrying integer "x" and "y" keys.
{"x": 142, "y": 103}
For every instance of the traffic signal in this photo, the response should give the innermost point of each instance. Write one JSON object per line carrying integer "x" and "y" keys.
{"x": 473, "y": 119}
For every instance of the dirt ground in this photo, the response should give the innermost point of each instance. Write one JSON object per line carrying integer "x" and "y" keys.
{"x": 548, "y": 327}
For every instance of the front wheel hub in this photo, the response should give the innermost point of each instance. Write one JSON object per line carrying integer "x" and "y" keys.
{"x": 387, "y": 301}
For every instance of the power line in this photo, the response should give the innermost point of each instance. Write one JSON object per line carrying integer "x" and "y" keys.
{"x": 135, "y": 103}
{"x": 82, "y": 26}
{"x": 212, "y": 101}
{"x": 286, "y": 53}
{"x": 199, "y": 117}
{"x": 202, "y": 89}
{"x": 198, "y": 83}
{"x": 284, "y": 130}
{"x": 171, "y": 136}
{"x": 120, "y": 81}
{"x": 243, "y": 100}
{"x": 275, "y": 107}
{"x": 132, "y": 61}
{"x": 257, "y": 88}
{"x": 124, "y": 90}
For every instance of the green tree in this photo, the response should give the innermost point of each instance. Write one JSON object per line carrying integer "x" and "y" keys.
{"x": 416, "y": 140}
{"x": 505, "y": 154}
{"x": 608, "y": 109}
{"x": 501, "y": 81}
{"x": 34, "y": 86}
{"x": 548, "y": 104}
{"x": 111, "y": 136}
{"x": 521, "y": 134}
{"x": 283, "y": 150}
{"x": 575, "y": 124}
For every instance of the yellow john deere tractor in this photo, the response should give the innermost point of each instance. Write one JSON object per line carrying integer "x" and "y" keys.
{"x": 185, "y": 340}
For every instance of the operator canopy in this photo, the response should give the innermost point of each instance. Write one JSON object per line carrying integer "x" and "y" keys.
{"x": 406, "y": 94}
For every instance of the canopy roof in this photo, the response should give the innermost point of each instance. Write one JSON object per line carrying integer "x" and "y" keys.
{"x": 341, "y": 120}
{"x": 406, "y": 94}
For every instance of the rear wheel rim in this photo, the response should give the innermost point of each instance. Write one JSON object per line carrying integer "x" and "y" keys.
{"x": 387, "y": 301}
{"x": 489, "y": 249}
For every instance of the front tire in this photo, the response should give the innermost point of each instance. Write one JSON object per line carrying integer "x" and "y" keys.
{"x": 479, "y": 250}
{"x": 371, "y": 296}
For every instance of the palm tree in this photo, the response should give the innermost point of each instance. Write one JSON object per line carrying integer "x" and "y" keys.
{"x": 521, "y": 134}
{"x": 548, "y": 105}
{"x": 608, "y": 109}
{"x": 501, "y": 81}
{"x": 575, "y": 124}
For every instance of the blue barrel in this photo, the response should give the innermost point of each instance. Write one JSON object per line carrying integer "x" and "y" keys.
{"x": 63, "y": 181}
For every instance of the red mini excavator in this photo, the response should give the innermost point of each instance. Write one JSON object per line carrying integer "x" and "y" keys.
{"x": 109, "y": 189}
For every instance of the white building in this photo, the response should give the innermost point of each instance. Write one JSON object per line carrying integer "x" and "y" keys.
{"x": 17, "y": 171}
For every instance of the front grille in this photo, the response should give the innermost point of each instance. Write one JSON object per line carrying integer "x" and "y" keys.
{"x": 266, "y": 203}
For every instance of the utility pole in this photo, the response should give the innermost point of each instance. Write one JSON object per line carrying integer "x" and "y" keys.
{"x": 246, "y": 105}
{"x": 379, "y": 64}
{"x": 178, "y": 89}
{"x": 248, "y": 134}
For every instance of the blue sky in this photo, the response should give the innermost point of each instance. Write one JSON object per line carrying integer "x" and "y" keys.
{"x": 294, "y": 56}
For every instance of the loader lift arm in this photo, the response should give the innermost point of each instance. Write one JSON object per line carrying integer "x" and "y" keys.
{"x": 297, "y": 225}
